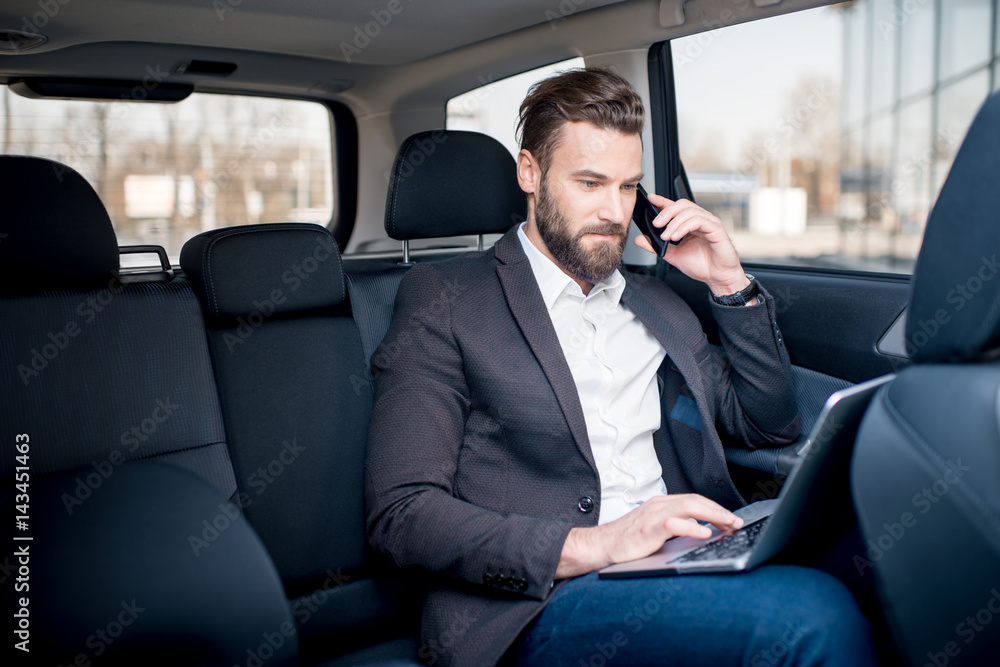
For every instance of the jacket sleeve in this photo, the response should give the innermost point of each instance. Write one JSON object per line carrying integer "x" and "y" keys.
{"x": 751, "y": 381}
{"x": 422, "y": 402}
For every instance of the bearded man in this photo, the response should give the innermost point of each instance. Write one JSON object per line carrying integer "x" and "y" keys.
{"x": 561, "y": 415}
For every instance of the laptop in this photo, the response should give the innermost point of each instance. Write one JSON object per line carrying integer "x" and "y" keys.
{"x": 815, "y": 498}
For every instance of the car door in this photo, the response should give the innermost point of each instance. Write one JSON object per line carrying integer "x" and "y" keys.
{"x": 823, "y": 180}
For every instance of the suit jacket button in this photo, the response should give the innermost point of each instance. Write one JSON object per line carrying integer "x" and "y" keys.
{"x": 585, "y": 505}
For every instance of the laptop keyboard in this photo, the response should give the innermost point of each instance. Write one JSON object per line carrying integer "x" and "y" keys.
{"x": 730, "y": 546}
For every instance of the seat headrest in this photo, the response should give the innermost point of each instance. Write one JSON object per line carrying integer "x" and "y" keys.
{"x": 450, "y": 183}
{"x": 54, "y": 230}
{"x": 954, "y": 311}
{"x": 267, "y": 269}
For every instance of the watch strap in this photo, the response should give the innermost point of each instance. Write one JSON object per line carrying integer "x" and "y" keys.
{"x": 741, "y": 298}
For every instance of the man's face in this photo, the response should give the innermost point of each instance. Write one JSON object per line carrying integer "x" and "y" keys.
{"x": 584, "y": 200}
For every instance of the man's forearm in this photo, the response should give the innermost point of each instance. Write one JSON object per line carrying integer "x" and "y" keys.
{"x": 580, "y": 554}
{"x": 759, "y": 377}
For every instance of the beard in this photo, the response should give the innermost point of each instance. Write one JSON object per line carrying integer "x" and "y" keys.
{"x": 589, "y": 265}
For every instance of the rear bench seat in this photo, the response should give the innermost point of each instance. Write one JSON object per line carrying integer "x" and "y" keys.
{"x": 127, "y": 455}
{"x": 296, "y": 400}
{"x": 113, "y": 381}
{"x": 261, "y": 391}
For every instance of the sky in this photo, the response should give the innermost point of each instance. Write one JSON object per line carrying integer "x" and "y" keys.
{"x": 735, "y": 81}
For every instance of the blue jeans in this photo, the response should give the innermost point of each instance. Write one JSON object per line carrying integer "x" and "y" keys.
{"x": 769, "y": 616}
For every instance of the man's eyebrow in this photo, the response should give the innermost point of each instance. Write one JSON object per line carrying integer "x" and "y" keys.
{"x": 591, "y": 174}
{"x": 597, "y": 176}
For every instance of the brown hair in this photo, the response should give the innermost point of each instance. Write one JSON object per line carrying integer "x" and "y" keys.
{"x": 594, "y": 95}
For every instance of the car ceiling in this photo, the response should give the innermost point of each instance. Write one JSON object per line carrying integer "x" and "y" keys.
{"x": 426, "y": 52}
{"x": 313, "y": 28}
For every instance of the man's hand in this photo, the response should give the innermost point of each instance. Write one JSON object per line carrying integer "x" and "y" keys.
{"x": 706, "y": 252}
{"x": 641, "y": 532}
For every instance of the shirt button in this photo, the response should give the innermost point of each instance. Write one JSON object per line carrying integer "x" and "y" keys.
{"x": 585, "y": 505}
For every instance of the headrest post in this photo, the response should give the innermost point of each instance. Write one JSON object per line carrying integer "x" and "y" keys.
{"x": 406, "y": 251}
{"x": 479, "y": 243}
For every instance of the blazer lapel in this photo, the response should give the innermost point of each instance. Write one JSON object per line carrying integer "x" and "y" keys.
{"x": 525, "y": 302}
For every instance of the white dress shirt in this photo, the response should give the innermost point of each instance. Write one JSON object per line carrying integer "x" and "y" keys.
{"x": 614, "y": 360}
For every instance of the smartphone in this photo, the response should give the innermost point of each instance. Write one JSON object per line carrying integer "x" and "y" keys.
{"x": 643, "y": 215}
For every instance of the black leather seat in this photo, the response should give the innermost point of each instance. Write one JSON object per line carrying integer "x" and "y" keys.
{"x": 926, "y": 469}
{"x": 131, "y": 557}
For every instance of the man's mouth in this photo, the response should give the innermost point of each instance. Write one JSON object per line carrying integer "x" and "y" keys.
{"x": 604, "y": 233}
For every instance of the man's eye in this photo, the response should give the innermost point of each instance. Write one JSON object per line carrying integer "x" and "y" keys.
{"x": 590, "y": 185}
{"x": 628, "y": 188}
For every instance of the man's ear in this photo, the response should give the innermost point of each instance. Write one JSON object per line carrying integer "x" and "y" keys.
{"x": 529, "y": 174}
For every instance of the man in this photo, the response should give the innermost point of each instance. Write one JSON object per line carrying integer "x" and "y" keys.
{"x": 560, "y": 415}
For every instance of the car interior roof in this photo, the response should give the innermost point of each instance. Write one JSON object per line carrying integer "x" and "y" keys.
{"x": 297, "y": 48}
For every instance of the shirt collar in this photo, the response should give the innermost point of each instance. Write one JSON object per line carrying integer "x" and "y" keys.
{"x": 553, "y": 281}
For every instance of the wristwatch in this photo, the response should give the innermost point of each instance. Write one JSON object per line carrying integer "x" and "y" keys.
{"x": 741, "y": 298}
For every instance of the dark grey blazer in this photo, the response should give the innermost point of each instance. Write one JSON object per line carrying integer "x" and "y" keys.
{"x": 478, "y": 457}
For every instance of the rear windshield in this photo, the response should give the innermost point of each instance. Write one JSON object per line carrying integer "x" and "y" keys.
{"x": 169, "y": 171}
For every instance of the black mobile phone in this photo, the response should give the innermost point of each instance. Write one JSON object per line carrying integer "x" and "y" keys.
{"x": 643, "y": 215}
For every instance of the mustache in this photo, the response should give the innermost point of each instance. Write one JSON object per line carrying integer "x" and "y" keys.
{"x": 609, "y": 228}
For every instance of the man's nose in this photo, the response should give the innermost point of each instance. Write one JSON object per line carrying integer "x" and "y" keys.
{"x": 613, "y": 207}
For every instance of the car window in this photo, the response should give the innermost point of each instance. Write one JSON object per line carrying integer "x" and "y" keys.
{"x": 166, "y": 172}
{"x": 493, "y": 107}
{"x": 823, "y": 137}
